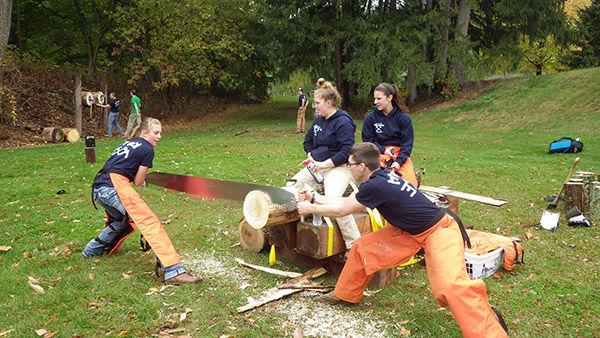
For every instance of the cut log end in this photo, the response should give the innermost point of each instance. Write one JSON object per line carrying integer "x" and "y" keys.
{"x": 250, "y": 238}
{"x": 257, "y": 206}
{"x": 71, "y": 134}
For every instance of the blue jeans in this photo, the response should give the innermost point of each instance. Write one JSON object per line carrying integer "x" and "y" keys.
{"x": 107, "y": 197}
{"x": 113, "y": 119}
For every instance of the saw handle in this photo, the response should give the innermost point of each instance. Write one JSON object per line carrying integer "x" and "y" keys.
{"x": 562, "y": 188}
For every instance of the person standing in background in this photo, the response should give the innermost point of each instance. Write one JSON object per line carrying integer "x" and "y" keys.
{"x": 135, "y": 117}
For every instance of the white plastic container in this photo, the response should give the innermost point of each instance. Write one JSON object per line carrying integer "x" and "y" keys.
{"x": 481, "y": 266}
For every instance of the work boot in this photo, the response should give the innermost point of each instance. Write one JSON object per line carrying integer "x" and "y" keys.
{"x": 330, "y": 298}
{"x": 184, "y": 278}
{"x": 500, "y": 319}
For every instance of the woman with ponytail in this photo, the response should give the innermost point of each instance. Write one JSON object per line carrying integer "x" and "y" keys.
{"x": 389, "y": 127}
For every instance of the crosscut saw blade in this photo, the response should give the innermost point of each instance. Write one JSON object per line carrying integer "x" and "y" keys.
{"x": 217, "y": 189}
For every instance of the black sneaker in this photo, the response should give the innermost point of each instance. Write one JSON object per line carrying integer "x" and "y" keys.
{"x": 500, "y": 319}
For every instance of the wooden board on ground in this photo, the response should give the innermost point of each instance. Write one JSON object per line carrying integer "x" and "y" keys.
{"x": 276, "y": 293}
{"x": 464, "y": 195}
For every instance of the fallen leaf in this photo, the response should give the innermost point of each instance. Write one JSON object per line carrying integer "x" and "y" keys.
{"x": 171, "y": 331}
{"x": 41, "y": 332}
{"x": 32, "y": 280}
{"x": 2, "y": 334}
{"x": 91, "y": 276}
{"x": 183, "y": 316}
{"x": 36, "y": 288}
{"x": 49, "y": 334}
{"x": 528, "y": 235}
{"x": 404, "y": 332}
{"x": 125, "y": 275}
{"x": 26, "y": 254}
{"x": 5, "y": 248}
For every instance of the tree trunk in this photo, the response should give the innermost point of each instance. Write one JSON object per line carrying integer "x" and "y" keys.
{"x": 462, "y": 27}
{"x": 78, "y": 105}
{"x": 411, "y": 84}
{"x": 338, "y": 63}
{"x": 442, "y": 62}
{"x": 5, "y": 19}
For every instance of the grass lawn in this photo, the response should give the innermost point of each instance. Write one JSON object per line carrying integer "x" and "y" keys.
{"x": 493, "y": 145}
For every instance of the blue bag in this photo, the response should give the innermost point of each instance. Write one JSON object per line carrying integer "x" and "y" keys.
{"x": 566, "y": 145}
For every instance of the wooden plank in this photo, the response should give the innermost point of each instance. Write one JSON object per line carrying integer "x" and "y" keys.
{"x": 463, "y": 195}
{"x": 274, "y": 295}
{"x": 289, "y": 274}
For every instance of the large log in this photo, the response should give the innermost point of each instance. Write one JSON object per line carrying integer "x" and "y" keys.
{"x": 71, "y": 134}
{"x": 260, "y": 212}
{"x": 283, "y": 235}
{"x": 313, "y": 240}
{"x": 51, "y": 134}
{"x": 252, "y": 239}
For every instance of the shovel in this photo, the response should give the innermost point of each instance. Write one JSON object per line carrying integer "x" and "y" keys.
{"x": 549, "y": 220}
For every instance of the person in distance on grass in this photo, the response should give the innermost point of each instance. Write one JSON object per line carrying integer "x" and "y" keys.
{"x": 300, "y": 118}
{"x": 113, "y": 116}
{"x": 390, "y": 129}
{"x": 135, "y": 117}
{"x": 327, "y": 144}
{"x": 415, "y": 223}
{"x": 125, "y": 208}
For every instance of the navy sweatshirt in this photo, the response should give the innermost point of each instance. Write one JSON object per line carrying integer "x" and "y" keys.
{"x": 331, "y": 138}
{"x": 394, "y": 129}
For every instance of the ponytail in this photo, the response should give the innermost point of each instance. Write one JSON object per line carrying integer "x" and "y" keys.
{"x": 328, "y": 92}
{"x": 391, "y": 89}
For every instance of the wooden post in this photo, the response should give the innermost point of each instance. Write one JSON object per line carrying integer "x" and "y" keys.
{"x": 574, "y": 196}
{"x": 90, "y": 154}
{"x": 104, "y": 84}
{"x": 78, "y": 105}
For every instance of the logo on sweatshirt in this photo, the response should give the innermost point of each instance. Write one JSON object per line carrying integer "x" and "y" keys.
{"x": 378, "y": 127}
{"x": 316, "y": 129}
{"x": 405, "y": 186}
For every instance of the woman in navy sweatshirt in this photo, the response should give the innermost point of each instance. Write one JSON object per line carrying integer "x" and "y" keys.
{"x": 327, "y": 145}
{"x": 391, "y": 130}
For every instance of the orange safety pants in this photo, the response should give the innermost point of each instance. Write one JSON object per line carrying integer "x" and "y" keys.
{"x": 444, "y": 253}
{"x": 145, "y": 221}
{"x": 300, "y": 120}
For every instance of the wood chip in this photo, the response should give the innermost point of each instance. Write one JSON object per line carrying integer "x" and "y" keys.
{"x": 5, "y": 248}
{"x": 2, "y": 334}
{"x": 36, "y": 288}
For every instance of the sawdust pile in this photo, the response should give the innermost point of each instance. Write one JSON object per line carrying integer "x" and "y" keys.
{"x": 323, "y": 320}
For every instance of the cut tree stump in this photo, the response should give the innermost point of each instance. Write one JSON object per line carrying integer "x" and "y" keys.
{"x": 51, "y": 134}
{"x": 575, "y": 196}
{"x": 71, "y": 134}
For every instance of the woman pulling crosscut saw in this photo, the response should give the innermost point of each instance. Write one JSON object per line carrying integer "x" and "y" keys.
{"x": 126, "y": 210}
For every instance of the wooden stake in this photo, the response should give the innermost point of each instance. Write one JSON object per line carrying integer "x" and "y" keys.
{"x": 289, "y": 274}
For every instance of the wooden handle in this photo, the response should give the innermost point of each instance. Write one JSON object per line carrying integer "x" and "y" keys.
{"x": 575, "y": 161}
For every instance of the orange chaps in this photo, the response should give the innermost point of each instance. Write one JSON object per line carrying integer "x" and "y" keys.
{"x": 406, "y": 171}
{"x": 444, "y": 253}
{"x": 145, "y": 221}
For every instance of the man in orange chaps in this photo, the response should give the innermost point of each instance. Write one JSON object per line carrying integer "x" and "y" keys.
{"x": 415, "y": 223}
